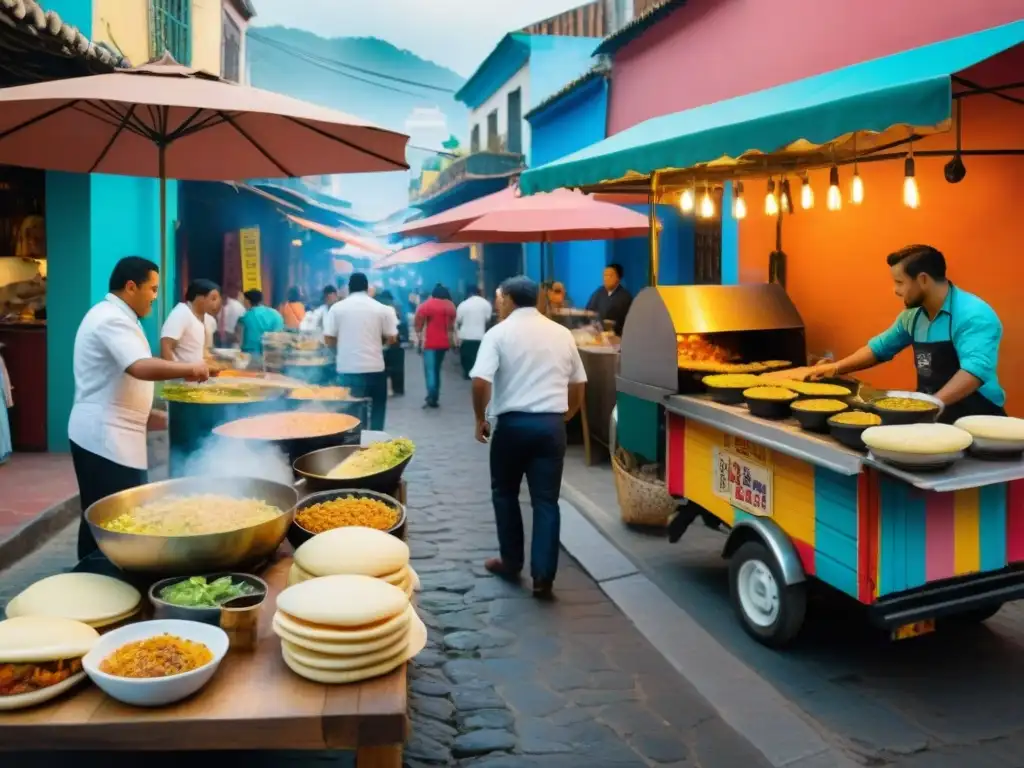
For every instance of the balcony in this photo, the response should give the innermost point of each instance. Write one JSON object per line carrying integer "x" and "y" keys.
{"x": 478, "y": 166}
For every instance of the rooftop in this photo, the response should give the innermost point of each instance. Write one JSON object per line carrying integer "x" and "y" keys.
{"x": 599, "y": 70}
{"x": 630, "y": 32}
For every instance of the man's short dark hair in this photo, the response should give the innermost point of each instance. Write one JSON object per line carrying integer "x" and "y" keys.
{"x": 617, "y": 268}
{"x": 918, "y": 260}
{"x": 200, "y": 287}
{"x": 358, "y": 283}
{"x": 521, "y": 290}
{"x": 131, "y": 269}
{"x": 440, "y": 292}
{"x": 473, "y": 290}
{"x": 329, "y": 290}
{"x": 255, "y": 297}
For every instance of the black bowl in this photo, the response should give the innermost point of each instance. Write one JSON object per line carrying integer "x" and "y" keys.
{"x": 727, "y": 395}
{"x": 204, "y": 614}
{"x": 813, "y": 421}
{"x": 313, "y": 468}
{"x": 891, "y": 417}
{"x": 849, "y": 435}
{"x": 298, "y": 535}
{"x": 769, "y": 409}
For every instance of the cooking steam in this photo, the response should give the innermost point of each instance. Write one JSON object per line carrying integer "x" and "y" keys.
{"x": 227, "y": 457}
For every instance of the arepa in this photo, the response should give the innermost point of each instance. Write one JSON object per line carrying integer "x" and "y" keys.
{"x": 920, "y": 439}
{"x": 87, "y": 597}
{"x": 353, "y": 550}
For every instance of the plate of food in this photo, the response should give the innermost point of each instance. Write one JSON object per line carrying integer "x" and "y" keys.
{"x": 917, "y": 446}
{"x": 847, "y": 427}
{"x": 899, "y": 407}
{"x": 41, "y": 658}
{"x": 813, "y": 413}
{"x": 727, "y": 388}
{"x": 201, "y": 598}
{"x": 327, "y": 510}
{"x": 769, "y": 402}
{"x": 995, "y": 437}
{"x": 376, "y": 467}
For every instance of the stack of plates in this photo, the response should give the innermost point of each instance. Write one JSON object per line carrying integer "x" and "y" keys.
{"x": 99, "y": 601}
{"x": 344, "y": 629}
{"x": 354, "y": 550}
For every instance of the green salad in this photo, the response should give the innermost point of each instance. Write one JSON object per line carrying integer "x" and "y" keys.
{"x": 196, "y": 592}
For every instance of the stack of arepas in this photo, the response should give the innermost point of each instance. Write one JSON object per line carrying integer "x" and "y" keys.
{"x": 99, "y": 601}
{"x": 347, "y": 628}
{"x": 41, "y": 658}
{"x": 358, "y": 551}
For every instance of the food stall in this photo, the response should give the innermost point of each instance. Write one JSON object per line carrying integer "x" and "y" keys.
{"x": 932, "y": 534}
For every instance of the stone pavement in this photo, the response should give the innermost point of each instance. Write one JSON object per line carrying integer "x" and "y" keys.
{"x": 506, "y": 681}
{"x": 942, "y": 701}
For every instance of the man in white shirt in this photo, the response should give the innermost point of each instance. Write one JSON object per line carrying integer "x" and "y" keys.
{"x": 183, "y": 336}
{"x": 227, "y": 321}
{"x": 114, "y": 374}
{"x": 357, "y": 327}
{"x": 530, "y": 373}
{"x": 314, "y": 321}
{"x": 471, "y": 320}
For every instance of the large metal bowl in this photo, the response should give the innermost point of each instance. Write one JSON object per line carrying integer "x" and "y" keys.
{"x": 190, "y": 555}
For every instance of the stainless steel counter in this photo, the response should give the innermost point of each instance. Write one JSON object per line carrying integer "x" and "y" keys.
{"x": 788, "y": 438}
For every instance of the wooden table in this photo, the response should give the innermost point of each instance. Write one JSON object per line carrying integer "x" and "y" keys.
{"x": 253, "y": 702}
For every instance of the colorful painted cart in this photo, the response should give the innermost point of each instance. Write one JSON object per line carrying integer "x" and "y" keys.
{"x": 912, "y": 547}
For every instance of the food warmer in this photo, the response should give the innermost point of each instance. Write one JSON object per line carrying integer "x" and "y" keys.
{"x": 913, "y": 547}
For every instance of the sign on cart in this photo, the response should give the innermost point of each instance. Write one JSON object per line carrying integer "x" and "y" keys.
{"x": 743, "y": 483}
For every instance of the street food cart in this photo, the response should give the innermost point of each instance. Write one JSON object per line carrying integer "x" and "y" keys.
{"x": 912, "y": 546}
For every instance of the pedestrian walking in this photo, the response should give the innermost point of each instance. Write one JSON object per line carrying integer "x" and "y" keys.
{"x": 114, "y": 372}
{"x": 259, "y": 319}
{"x": 293, "y": 310}
{"x": 358, "y": 327}
{"x": 529, "y": 372}
{"x": 394, "y": 353}
{"x": 471, "y": 319}
{"x": 435, "y": 326}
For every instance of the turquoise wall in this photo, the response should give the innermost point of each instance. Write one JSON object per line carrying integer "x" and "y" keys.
{"x": 76, "y": 12}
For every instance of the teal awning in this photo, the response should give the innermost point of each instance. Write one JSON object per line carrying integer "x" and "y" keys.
{"x": 912, "y": 88}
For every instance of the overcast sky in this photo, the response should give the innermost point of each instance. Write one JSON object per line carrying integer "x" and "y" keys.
{"x": 457, "y": 34}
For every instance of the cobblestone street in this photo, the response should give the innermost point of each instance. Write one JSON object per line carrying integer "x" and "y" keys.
{"x": 506, "y": 681}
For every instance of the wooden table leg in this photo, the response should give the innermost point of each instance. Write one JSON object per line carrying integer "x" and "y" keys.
{"x": 379, "y": 757}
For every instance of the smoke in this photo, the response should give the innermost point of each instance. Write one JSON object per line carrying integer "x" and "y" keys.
{"x": 227, "y": 457}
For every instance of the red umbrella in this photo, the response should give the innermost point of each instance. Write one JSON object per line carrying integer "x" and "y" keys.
{"x": 169, "y": 121}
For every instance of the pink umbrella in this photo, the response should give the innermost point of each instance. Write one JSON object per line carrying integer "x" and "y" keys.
{"x": 335, "y": 233}
{"x": 169, "y": 121}
{"x": 451, "y": 221}
{"x": 592, "y": 221}
{"x": 417, "y": 254}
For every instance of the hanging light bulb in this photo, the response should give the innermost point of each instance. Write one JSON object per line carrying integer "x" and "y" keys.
{"x": 806, "y": 193}
{"x": 911, "y": 194}
{"x": 834, "y": 200}
{"x": 707, "y": 205}
{"x": 686, "y": 201}
{"x": 739, "y": 205}
{"x": 856, "y": 187}
{"x": 785, "y": 198}
{"x": 771, "y": 202}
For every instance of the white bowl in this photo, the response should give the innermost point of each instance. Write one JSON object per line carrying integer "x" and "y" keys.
{"x": 155, "y": 691}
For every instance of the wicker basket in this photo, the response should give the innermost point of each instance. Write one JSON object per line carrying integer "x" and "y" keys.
{"x": 641, "y": 501}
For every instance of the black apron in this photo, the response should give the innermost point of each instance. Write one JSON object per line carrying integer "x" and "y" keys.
{"x": 936, "y": 363}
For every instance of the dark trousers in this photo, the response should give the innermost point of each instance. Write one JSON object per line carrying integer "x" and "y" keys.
{"x": 530, "y": 444}
{"x": 467, "y": 356}
{"x": 98, "y": 478}
{"x": 394, "y": 366}
{"x": 373, "y": 386}
{"x": 433, "y": 360}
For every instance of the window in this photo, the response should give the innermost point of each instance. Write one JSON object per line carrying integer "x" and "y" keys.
{"x": 474, "y": 139}
{"x": 231, "y": 48}
{"x": 493, "y": 142}
{"x": 170, "y": 29}
{"x": 515, "y": 121}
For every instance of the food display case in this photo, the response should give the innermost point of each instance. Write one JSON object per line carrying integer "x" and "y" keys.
{"x": 915, "y": 546}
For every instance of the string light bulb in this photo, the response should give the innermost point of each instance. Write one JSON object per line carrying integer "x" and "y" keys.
{"x": 834, "y": 200}
{"x": 911, "y": 194}
{"x": 786, "y": 197}
{"x": 739, "y": 205}
{"x": 771, "y": 202}
{"x": 707, "y": 205}
{"x": 686, "y": 200}
{"x": 806, "y": 193}
{"x": 856, "y": 187}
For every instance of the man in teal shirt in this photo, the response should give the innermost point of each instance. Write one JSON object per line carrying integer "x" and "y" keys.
{"x": 954, "y": 334}
{"x": 257, "y": 320}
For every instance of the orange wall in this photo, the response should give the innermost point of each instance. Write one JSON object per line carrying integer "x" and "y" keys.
{"x": 837, "y": 275}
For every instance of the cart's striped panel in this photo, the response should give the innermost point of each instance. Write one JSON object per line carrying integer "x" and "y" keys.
{"x": 835, "y": 519}
{"x": 675, "y": 452}
{"x": 1015, "y": 521}
{"x": 992, "y": 526}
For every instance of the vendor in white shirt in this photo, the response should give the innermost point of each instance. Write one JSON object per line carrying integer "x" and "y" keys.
{"x": 183, "y": 338}
{"x": 114, "y": 373}
{"x": 471, "y": 319}
{"x": 530, "y": 373}
{"x": 227, "y": 320}
{"x": 313, "y": 322}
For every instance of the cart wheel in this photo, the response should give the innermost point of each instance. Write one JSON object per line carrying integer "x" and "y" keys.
{"x": 771, "y": 612}
{"x": 976, "y": 616}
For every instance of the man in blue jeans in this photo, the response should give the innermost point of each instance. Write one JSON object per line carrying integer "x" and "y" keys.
{"x": 529, "y": 370}
{"x": 358, "y": 326}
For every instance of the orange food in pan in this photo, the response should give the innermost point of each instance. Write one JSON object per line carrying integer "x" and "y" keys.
{"x": 288, "y": 426}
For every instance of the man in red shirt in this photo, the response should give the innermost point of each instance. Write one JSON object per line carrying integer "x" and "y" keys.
{"x": 435, "y": 322}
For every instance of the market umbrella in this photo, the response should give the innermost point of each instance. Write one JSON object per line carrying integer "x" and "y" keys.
{"x": 166, "y": 120}
{"x": 417, "y": 254}
{"x": 335, "y": 233}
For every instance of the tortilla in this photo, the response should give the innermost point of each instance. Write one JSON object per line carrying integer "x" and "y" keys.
{"x": 296, "y": 575}
{"x": 353, "y": 550}
{"x": 920, "y": 439}
{"x": 330, "y": 634}
{"x": 86, "y": 597}
{"x": 325, "y": 658}
{"x": 34, "y": 639}
{"x": 343, "y": 646}
{"x": 114, "y": 620}
{"x": 417, "y": 641}
{"x": 992, "y": 427}
{"x": 34, "y": 698}
{"x": 343, "y": 601}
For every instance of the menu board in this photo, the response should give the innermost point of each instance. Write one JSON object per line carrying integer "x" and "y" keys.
{"x": 745, "y": 484}
{"x": 249, "y": 245}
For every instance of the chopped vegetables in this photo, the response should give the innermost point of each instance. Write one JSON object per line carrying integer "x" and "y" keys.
{"x": 196, "y": 592}
{"x": 159, "y": 656}
{"x": 376, "y": 458}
